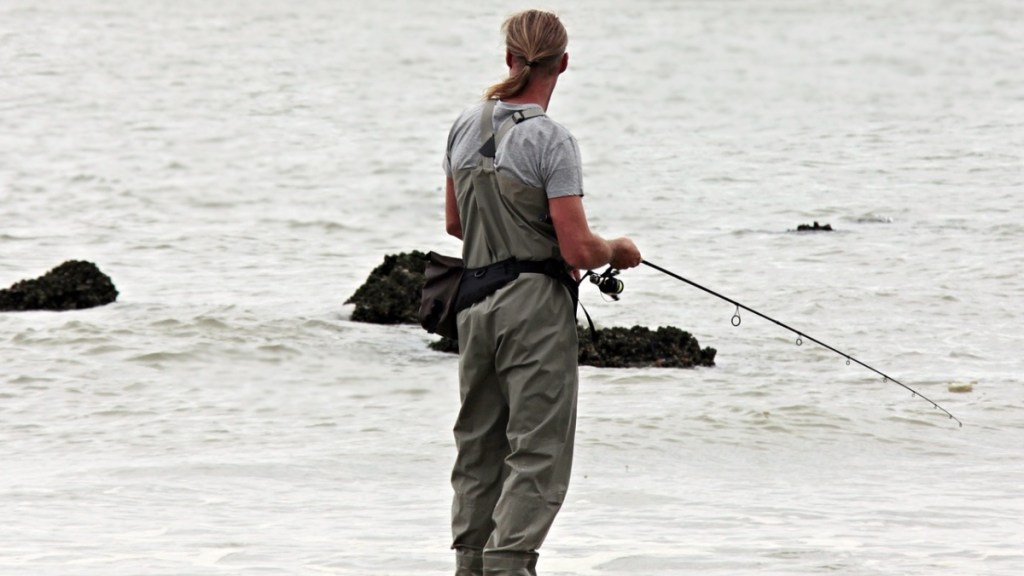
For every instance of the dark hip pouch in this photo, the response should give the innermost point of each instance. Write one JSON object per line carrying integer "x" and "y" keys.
{"x": 479, "y": 283}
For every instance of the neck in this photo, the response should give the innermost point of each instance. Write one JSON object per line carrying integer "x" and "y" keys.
{"x": 538, "y": 91}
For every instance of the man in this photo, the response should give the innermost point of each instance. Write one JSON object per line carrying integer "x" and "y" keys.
{"x": 513, "y": 194}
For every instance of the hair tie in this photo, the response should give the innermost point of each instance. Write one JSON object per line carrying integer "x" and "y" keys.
{"x": 531, "y": 63}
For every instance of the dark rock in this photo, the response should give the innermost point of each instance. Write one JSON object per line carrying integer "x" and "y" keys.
{"x": 634, "y": 347}
{"x": 391, "y": 295}
{"x": 445, "y": 345}
{"x": 73, "y": 285}
{"x": 814, "y": 228}
{"x": 668, "y": 347}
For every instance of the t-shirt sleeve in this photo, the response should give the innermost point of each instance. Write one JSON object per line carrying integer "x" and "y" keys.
{"x": 562, "y": 169}
{"x": 446, "y": 163}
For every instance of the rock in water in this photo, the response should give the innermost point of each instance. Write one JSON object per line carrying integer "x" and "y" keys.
{"x": 814, "y": 228}
{"x": 391, "y": 295}
{"x": 636, "y": 347}
{"x": 667, "y": 347}
{"x": 73, "y": 285}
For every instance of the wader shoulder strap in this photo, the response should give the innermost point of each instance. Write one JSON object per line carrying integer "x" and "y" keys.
{"x": 517, "y": 117}
{"x": 487, "y": 145}
{"x": 488, "y": 138}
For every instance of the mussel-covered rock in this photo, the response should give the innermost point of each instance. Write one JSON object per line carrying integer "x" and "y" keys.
{"x": 814, "y": 227}
{"x": 391, "y": 295}
{"x": 73, "y": 285}
{"x": 636, "y": 347}
{"x": 666, "y": 347}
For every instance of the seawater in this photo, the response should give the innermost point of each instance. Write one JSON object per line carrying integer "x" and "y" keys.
{"x": 239, "y": 168}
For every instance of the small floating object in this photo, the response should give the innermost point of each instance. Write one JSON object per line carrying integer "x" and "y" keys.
{"x": 962, "y": 387}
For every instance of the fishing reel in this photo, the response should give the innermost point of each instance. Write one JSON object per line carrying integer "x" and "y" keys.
{"x": 607, "y": 282}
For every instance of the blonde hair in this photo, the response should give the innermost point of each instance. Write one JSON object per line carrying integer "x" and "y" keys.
{"x": 538, "y": 39}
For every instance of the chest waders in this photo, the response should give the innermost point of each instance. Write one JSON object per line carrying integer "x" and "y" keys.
{"x": 517, "y": 370}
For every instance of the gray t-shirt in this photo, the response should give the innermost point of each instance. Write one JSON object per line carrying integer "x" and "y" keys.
{"x": 539, "y": 152}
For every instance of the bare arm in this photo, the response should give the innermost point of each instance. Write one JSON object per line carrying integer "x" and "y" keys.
{"x": 580, "y": 247}
{"x": 451, "y": 210}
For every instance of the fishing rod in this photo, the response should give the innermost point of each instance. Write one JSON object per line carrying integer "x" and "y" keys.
{"x": 608, "y": 284}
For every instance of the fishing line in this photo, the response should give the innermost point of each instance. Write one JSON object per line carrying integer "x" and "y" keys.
{"x": 800, "y": 336}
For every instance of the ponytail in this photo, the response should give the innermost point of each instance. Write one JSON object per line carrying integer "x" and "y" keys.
{"x": 538, "y": 40}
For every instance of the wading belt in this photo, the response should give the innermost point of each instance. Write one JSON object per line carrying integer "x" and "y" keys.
{"x": 479, "y": 283}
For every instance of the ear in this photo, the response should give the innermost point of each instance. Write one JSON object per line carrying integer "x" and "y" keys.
{"x": 509, "y": 58}
{"x": 564, "y": 63}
